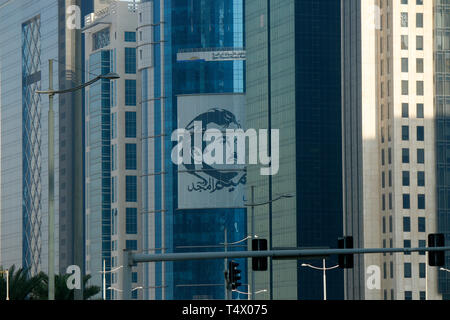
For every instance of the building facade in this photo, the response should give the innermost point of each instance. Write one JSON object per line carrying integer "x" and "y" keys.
{"x": 112, "y": 156}
{"x": 293, "y": 85}
{"x": 29, "y": 40}
{"x": 191, "y": 66}
{"x": 393, "y": 179}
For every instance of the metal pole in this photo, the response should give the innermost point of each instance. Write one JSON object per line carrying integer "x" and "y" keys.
{"x": 104, "y": 279}
{"x": 275, "y": 254}
{"x": 227, "y": 291}
{"x": 324, "y": 280}
{"x": 51, "y": 189}
{"x": 7, "y": 284}
{"x": 126, "y": 275}
{"x": 253, "y": 236}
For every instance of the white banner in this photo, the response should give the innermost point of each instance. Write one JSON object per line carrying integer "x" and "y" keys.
{"x": 218, "y": 185}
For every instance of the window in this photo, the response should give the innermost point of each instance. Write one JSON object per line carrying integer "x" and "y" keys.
{"x": 422, "y": 294}
{"x": 405, "y": 90}
{"x": 421, "y": 178}
{"x": 406, "y": 201}
{"x": 134, "y": 277}
{"x": 404, "y": 64}
{"x": 421, "y": 201}
{"x": 130, "y": 60}
{"x": 131, "y": 221}
{"x": 389, "y": 154}
{"x": 421, "y": 224}
{"x": 420, "y": 133}
{"x": 130, "y": 156}
{"x": 113, "y": 157}
{"x": 384, "y": 224}
{"x": 383, "y": 179}
{"x": 113, "y": 125}
{"x": 407, "y": 269}
{"x": 131, "y": 244}
{"x": 419, "y": 65}
{"x": 404, "y": 19}
{"x": 100, "y": 39}
{"x": 390, "y": 223}
{"x": 405, "y": 178}
{"x": 422, "y": 244}
{"x": 422, "y": 270}
{"x": 130, "y": 36}
{"x": 420, "y": 156}
{"x": 131, "y": 189}
{"x": 404, "y": 2}
{"x": 404, "y": 40}
{"x": 419, "y": 88}
{"x": 419, "y": 42}
{"x": 405, "y": 133}
{"x": 406, "y": 224}
{"x": 419, "y": 20}
{"x": 130, "y": 92}
{"x": 405, "y": 155}
{"x": 407, "y": 244}
{"x": 420, "y": 110}
{"x": 383, "y": 202}
{"x": 113, "y": 189}
{"x": 391, "y": 267}
{"x": 130, "y": 124}
{"x": 405, "y": 110}
{"x": 408, "y": 294}
{"x": 382, "y": 157}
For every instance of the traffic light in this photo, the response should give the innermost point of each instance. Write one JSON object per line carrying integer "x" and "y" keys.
{"x": 259, "y": 264}
{"x": 345, "y": 260}
{"x": 235, "y": 274}
{"x": 436, "y": 258}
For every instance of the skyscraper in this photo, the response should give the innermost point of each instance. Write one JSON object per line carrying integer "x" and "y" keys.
{"x": 112, "y": 155}
{"x": 26, "y": 45}
{"x": 293, "y": 85}
{"x": 394, "y": 142}
{"x": 191, "y": 65}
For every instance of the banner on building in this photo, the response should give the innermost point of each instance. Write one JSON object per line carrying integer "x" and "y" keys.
{"x": 214, "y": 185}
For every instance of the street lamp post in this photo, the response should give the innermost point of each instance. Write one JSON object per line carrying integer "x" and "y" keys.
{"x": 7, "y": 282}
{"x": 51, "y": 169}
{"x": 104, "y": 272}
{"x": 324, "y": 269}
{"x": 253, "y": 205}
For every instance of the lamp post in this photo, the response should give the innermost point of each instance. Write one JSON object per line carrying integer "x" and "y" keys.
{"x": 444, "y": 269}
{"x": 51, "y": 170}
{"x": 7, "y": 282}
{"x": 104, "y": 272}
{"x": 253, "y": 205}
{"x": 324, "y": 269}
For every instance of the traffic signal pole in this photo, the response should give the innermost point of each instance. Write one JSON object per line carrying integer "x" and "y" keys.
{"x": 134, "y": 258}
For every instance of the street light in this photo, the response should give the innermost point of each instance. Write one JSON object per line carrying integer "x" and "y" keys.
{"x": 444, "y": 269}
{"x": 324, "y": 269}
{"x": 104, "y": 272}
{"x": 7, "y": 282}
{"x": 250, "y": 293}
{"x": 51, "y": 170}
{"x": 253, "y": 205}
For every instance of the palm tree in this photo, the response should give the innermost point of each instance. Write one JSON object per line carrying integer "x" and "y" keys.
{"x": 61, "y": 290}
{"x": 21, "y": 285}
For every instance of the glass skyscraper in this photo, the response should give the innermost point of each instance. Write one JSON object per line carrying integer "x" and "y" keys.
{"x": 28, "y": 40}
{"x": 181, "y": 56}
{"x": 293, "y": 84}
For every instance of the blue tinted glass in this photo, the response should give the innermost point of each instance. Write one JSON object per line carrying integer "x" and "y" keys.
{"x": 131, "y": 189}
{"x": 130, "y": 36}
{"x": 130, "y": 92}
{"x": 130, "y": 156}
{"x": 130, "y": 124}
{"x": 131, "y": 221}
{"x": 130, "y": 60}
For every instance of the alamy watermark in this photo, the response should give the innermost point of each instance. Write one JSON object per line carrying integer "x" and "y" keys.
{"x": 216, "y": 147}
